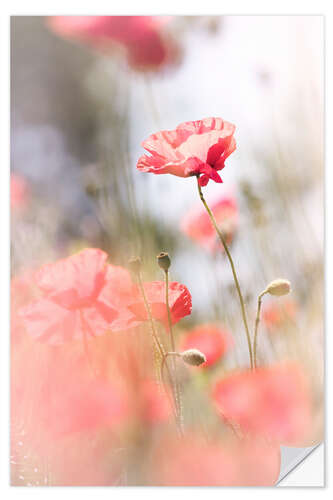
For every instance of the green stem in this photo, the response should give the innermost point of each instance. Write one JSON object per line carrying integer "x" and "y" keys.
{"x": 173, "y": 349}
{"x": 241, "y": 300}
{"x": 256, "y": 328}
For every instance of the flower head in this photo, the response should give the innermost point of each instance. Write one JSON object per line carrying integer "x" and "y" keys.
{"x": 197, "y": 148}
{"x": 132, "y": 310}
{"x": 70, "y": 305}
{"x": 272, "y": 401}
{"x": 141, "y": 37}
{"x": 212, "y": 340}
{"x": 197, "y": 225}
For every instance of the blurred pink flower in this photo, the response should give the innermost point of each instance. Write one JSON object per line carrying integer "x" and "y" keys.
{"x": 272, "y": 401}
{"x": 126, "y": 297}
{"x": 194, "y": 148}
{"x": 83, "y": 296}
{"x": 71, "y": 306}
{"x": 155, "y": 407}
{"x": 142, "y": 37}
{"x": 277, "y": 313}
{"x": 197, "y": 225}
{"x": 19, "y": 192}
{"x": 192, "y": 461}
{"x": 211, "y": 339}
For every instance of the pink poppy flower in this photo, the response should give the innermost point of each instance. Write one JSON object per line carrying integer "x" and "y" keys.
{"x": 71, "y": 306}
{"x": 141, "y": 37}
{"x": 194, "y": 148}
{"x": 191, "y": 461}
{"x": 131, "y": 307}
{"x": 212, "y": 340}
{"x": 197, "y": 225}
{"x": 19, "y": 192}
{"x": 272, "y": 401}
{"x": 155, "y": 406}
{"x": 277, "y": 313}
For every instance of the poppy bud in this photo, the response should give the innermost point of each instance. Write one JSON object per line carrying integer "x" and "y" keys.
{"x": 193, "y": 357}
{"x": 134, "y": 264}
{"x": 164, "y": 261}
{"x": 278, "y": 287}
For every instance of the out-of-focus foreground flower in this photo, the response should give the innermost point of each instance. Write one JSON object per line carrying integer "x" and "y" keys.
{"x": 197, "y": 148}
{"x": 143, "y": 38}
{"x": 192, "y": 461}
{"x": 273, "y": 402}
{"x": 81, "y": 297}
{"x": 197, "y": 225}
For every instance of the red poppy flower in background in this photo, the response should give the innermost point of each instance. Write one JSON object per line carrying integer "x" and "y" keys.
{"x": 19, "y": 191}
{"x": 272, "y": 401}
{"x": 142, "y": 37}
{"x": 180, "y": 302}
{"x": 212, "y": 340}
{"x": 194, "y": 148}
{"x": 191, "y": 461}
{"x": 125, "y": 296}
{"x": 197, "y": 225}
{"x": 70, "y": 306}
{"x": 277, "y": 313}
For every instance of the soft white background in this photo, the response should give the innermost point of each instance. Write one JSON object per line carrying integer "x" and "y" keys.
{"x": 313, "y": 465}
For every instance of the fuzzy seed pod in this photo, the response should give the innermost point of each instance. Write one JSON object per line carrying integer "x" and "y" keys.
{"x": 193, "y": 357}
{"x": 279, "y": 287}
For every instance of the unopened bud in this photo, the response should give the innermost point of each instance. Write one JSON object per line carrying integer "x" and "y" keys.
{"x": 134, "y": 264}
{"x": 193, "y": 357}
{"x": 279, "y": 287}
{"x": 164, "y": 261}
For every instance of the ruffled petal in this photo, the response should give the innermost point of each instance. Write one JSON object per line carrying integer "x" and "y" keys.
{"x": 75, "y": 281}
{"x": 47, "y": 322}
{"x": 186, "y": 150}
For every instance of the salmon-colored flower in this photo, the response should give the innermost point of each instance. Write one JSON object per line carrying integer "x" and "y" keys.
{"x": 70, "y": 306}
{"x": 192, "y": 461}
{"x": 126, "y": 297}
{"x": 273, "y": 401}
{"x": 277, "y": 313}
{"x": 197, "y": 225}
{"x": 180, "y": 302}
{"x": 194, "y": 148}
{"x": 19, "y": 192}
{"x": 83, "y": 296}
{"x": 142, "y": 37}
{"x": 212, "y": 340}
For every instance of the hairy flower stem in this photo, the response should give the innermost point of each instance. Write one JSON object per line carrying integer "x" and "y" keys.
{"x": 173, "y": 349}
{"x": 166, "y": 357}
{"x": 256, "y": 328}
{"x": 157, "y": 341}
{"x": 241, "y": 300}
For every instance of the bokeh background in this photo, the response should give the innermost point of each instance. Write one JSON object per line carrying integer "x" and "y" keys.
{"x": 78, "y": 116}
